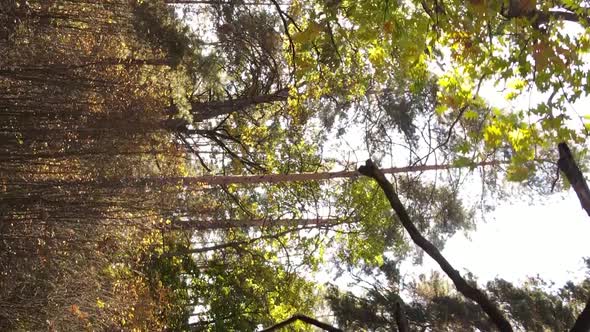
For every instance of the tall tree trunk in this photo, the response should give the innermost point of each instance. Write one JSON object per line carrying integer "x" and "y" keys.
{"x": 215, "y": 2}
{"x": 251, "y": 179}
{"x": 193, "y": 224}
{"x": 568, "y": 166}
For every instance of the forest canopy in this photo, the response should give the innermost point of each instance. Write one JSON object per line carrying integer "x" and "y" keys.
{"x": 200, "y": 165}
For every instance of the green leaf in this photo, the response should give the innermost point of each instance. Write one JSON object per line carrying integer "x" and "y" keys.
{"x": 463, "y": 162}
{"x": 518, "y": 173}
{"x": 470, "y": 115}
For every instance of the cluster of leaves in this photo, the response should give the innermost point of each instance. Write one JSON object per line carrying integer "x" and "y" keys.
{"x": 377, "y": 43}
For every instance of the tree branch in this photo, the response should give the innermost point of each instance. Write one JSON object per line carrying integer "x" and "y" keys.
{"x": 400, "y": 316}
{"x": 582, "y": 324}
{"x": 568, "y": 166}
{"x": 305, "y": 319}
{"x": 469, "y": 291}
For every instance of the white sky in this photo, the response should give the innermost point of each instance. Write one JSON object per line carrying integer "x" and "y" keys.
{"x": 520, "y": 240}
{"x": 548, "y": 238}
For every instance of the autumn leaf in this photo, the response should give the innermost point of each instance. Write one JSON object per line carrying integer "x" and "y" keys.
{"x": 308, "y": 35}
{"x": 75, "y": 309}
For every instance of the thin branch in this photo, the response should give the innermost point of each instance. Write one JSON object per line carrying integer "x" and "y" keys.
{"x": 235, "y": 244}
{"x": 282, "y": 15}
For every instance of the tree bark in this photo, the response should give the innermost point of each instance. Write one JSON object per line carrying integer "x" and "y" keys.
{"x": 469, "y": 291}
{"x": 280, "y": 178}
{"x": 568, "y": 166}
{"x": 232, "y": 223}
{"x": 215, "y": 2}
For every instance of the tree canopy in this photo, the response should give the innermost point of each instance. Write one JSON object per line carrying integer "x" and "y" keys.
{"x": 193, "y": 165}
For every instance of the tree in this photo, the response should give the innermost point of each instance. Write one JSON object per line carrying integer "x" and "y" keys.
{"x": 434, "y": 305}
{"x": 122, "y": 127}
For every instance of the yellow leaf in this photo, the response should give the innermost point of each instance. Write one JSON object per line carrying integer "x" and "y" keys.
{"x": 312, "y": 31}
{"x": 377, "y": 56}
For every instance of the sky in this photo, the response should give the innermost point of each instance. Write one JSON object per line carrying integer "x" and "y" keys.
{"x": 549, "y": 239}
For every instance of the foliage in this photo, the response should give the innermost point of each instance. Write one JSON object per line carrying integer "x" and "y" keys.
{"x": 376, "y": 42}
{"x": 433, "y": 305}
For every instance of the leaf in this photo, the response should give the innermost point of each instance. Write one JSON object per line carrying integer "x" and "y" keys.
{"x": 308, "y": 35}
{"x": 518, "y": 173}
{"x": 470, "y": 115}
{"x": 463, "y": 161}
{"x": 441, "y": 109}
{"x": 377, "y": 56}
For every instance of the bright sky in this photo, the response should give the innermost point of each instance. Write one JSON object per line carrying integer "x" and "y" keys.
{"x": 548, "y": 238}
{"x": 519, "y": 240}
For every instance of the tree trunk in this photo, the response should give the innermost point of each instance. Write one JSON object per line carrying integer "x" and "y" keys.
{"x": 568, "y": 166}
{"x": 231, "y": 223}
{"x": 149, "y": 182}
{"x": 208, "y": 110}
